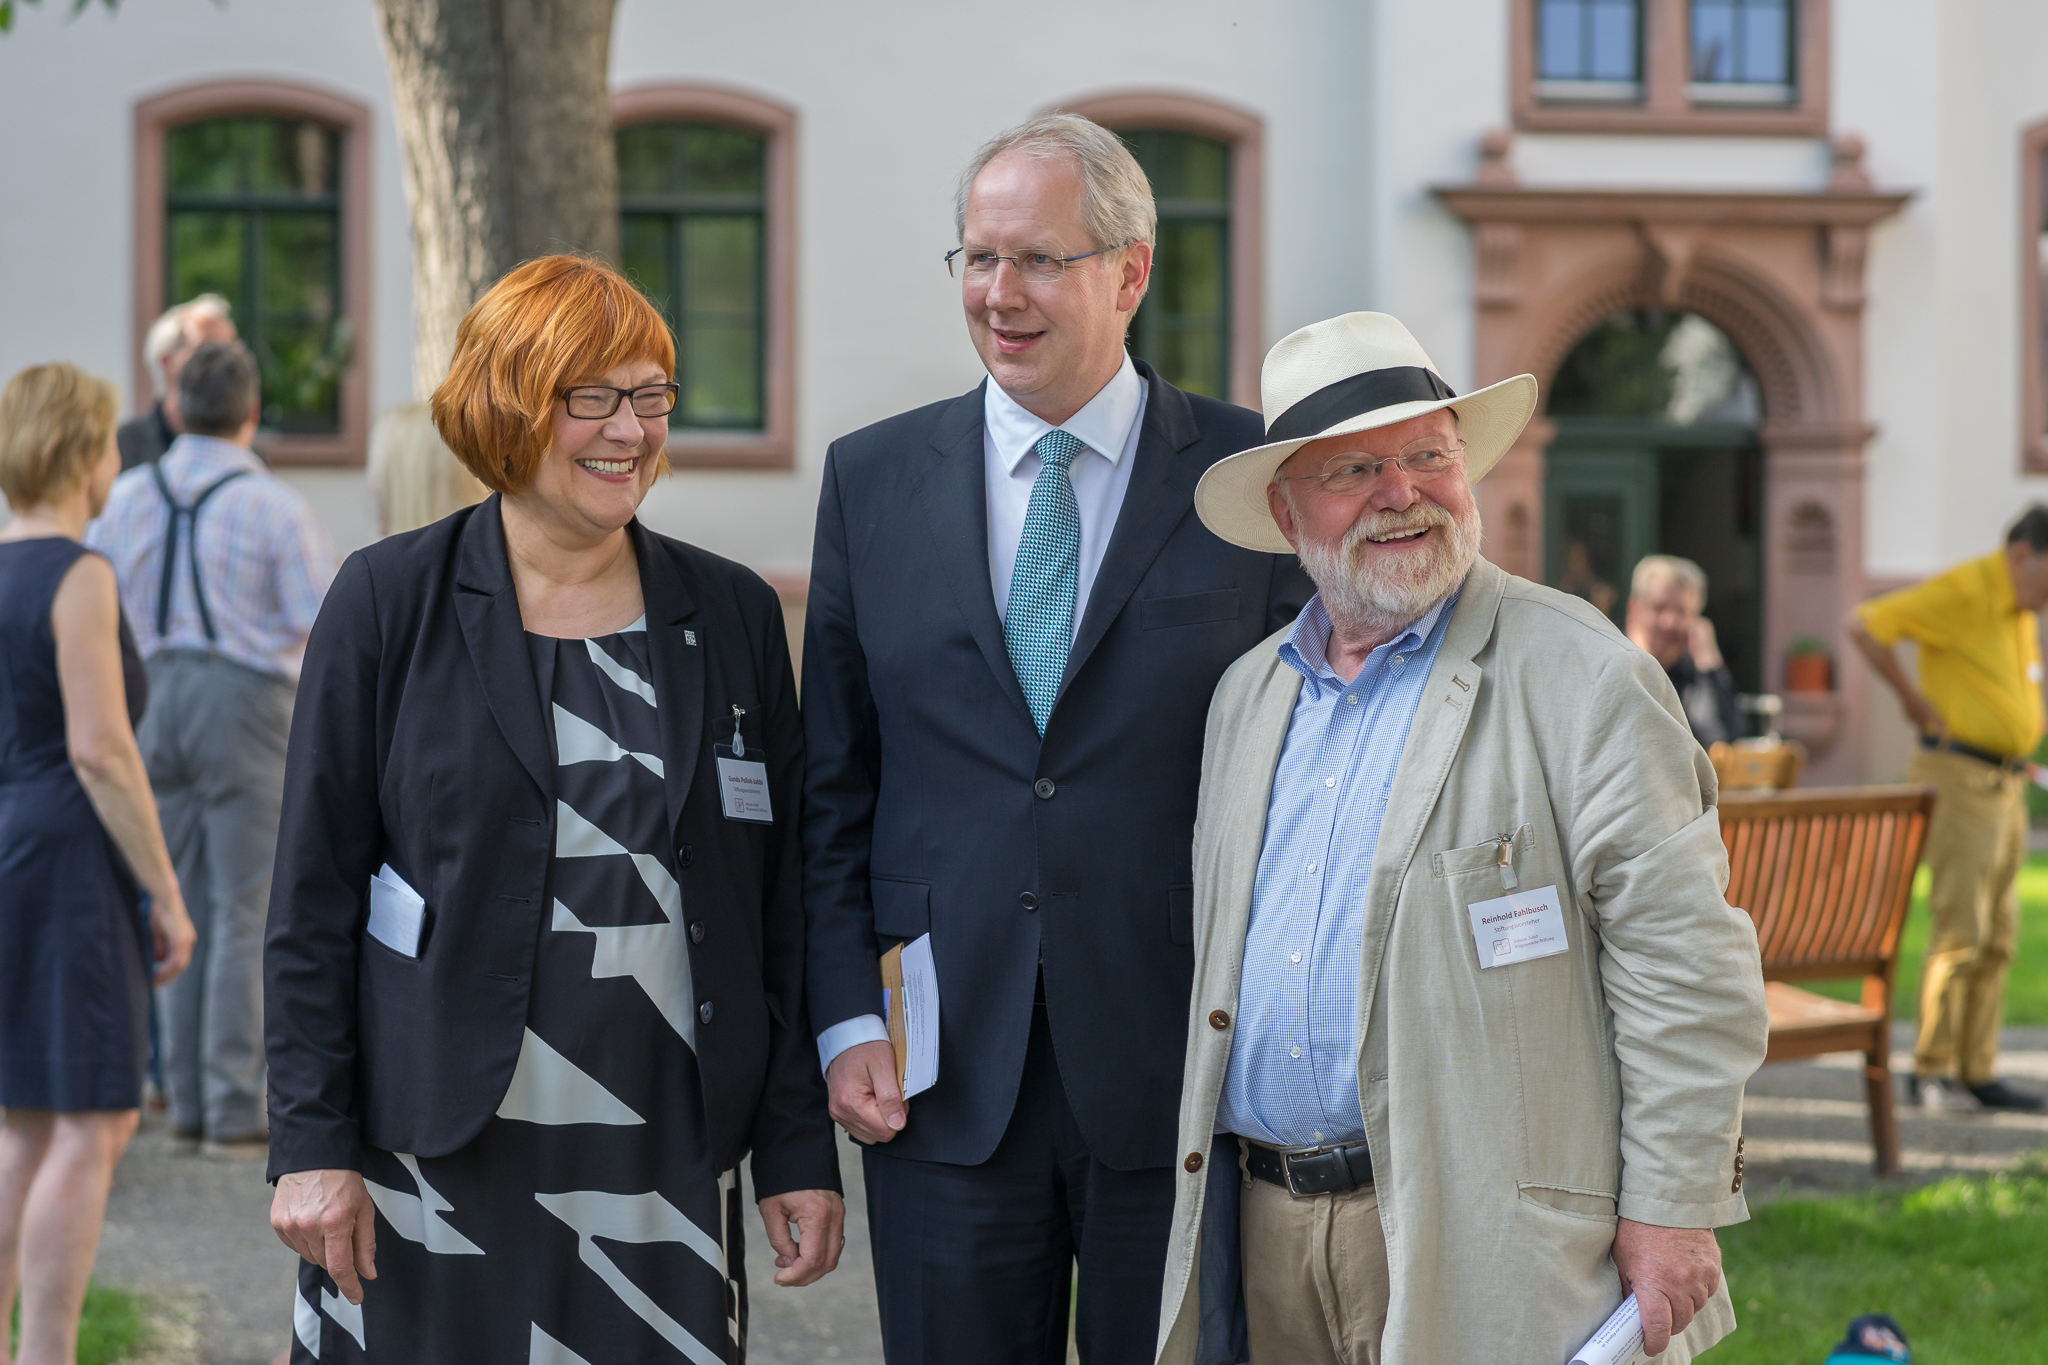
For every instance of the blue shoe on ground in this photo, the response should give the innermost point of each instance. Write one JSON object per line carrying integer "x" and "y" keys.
{"x": 1874, "y": 1336}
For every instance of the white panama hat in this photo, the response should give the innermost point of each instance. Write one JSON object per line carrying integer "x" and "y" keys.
{"x": 1351, "y": 373}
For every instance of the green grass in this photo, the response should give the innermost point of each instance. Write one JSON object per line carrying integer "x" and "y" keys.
{"x": 2026, "y": 991}
{"x": 1960, "y": 1264}
{"x": 109, "y": 1330}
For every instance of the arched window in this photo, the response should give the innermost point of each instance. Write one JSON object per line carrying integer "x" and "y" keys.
{"x": 705, "y": 182}
{"x": 1201, "y": 323}
{"x": 254, "y": 191}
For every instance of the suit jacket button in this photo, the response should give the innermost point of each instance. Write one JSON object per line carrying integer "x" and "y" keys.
{"x": 1028, "y": 901}
{"x": 1193, "y": 1163}
{"x": 684, "y": 854}
{"x": 696, "y": 931}
{"x": 704, "y": 1011}
{"x": 1044, "y": 787}
{"x": 1219, "y": 1019}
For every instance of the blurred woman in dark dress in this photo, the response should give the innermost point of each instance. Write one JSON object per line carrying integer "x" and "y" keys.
{"x": 78, "y": 831}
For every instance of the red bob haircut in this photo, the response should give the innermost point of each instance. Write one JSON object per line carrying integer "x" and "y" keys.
{"x": 549, "y": 324}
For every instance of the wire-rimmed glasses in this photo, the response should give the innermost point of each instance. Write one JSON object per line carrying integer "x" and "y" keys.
{"x": 1037, "y": 265}
{"x": 595, "y": 402}
{"x": 1350, "y": 473}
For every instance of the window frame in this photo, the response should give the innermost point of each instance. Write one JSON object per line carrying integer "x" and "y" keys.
{"x": 774, "y": 445}
{"x": 1244, "y": 133}
{"x": 154, "y": 119}
{"x": 2033, "y": 182}
{"x": 1671, "y": 101}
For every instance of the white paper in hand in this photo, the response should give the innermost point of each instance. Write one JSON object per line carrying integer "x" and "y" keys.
{"x": 1617, "y": 1341}
{"x": 396, "y": 912}
{"x": 920, "y": 1017}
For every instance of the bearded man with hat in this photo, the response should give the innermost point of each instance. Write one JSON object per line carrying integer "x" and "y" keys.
{"x": 1471, "y": 1019}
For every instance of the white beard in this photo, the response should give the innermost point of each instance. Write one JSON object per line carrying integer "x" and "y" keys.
{"x": 1377, "y": 599}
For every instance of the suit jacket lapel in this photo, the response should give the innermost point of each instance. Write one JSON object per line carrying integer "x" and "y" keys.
{"x": 1158, "y": 498}
{"x": 488, "y": 609}
{"x": 954, "y": 492}
{"x": 678, "y": 669}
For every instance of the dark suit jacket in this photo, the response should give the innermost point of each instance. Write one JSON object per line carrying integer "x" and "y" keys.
{"x": 419, "y": 740}
{"x": 931, "y": 804}
{"x": 144, "y": 437}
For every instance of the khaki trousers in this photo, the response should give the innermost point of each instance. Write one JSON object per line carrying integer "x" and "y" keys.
{"x": 1315, "y": 1276}
{"x": 1975, "y": 845}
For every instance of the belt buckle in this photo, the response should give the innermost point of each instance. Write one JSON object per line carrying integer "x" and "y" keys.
{"x": 1331, "y": 1156}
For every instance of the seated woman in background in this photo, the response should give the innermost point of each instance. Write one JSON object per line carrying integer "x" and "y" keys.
{"x": 534, "y": 969}
{"x": 416, "y": 479}
{"x": 78, "y": 829}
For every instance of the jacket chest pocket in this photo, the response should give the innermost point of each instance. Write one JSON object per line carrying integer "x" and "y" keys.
{"x": 1456, "y": 865}
{"x": 1158, "y": 613}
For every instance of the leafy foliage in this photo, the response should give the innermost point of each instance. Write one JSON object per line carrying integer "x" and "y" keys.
{"x": 78, "y": 7}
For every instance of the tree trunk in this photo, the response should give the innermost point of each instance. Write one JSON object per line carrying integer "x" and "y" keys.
{"x": 504, "y": 111}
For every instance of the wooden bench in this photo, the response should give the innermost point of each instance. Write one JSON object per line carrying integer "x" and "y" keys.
{"x": 1827, "y": 875}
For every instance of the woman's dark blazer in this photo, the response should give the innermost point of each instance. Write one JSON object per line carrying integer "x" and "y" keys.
{"x": 419, "y": 740}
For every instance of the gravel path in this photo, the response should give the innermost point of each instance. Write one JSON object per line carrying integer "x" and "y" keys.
{"x": 184, "y": 1225}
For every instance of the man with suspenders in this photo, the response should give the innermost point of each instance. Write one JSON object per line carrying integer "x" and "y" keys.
{"x": 222, "y": 568}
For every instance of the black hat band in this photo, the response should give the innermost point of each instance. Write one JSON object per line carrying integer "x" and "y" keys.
{"x": 1366, "y": 392}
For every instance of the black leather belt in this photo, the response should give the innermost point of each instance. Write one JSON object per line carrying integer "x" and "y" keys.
{"x": 1323, "y": 1170}
{"x": 2015, "y": 766}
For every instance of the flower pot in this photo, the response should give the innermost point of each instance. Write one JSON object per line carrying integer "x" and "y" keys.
{"x": 1809, "y": 673}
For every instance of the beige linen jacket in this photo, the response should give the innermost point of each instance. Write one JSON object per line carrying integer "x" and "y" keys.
{"x": 1513, "y": 1112}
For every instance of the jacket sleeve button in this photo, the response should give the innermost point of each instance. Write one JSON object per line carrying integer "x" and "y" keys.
{"x": 696, "y": 931}
{"x": 704, "y": 1011}
{"x": 1193, "y": 1163}
{"x": 1219, "y": 1019}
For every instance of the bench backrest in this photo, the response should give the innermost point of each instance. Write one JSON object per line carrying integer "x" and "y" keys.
{"x": 1826, "y": 874}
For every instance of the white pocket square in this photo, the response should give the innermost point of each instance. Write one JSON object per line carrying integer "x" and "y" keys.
{"x": 396, "y": 912}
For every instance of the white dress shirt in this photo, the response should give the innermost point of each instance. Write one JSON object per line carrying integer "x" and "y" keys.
{"x": 1108, "y": 424}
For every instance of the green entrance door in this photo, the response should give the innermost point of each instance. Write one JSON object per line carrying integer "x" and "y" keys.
{"x": 1656, "y": 453}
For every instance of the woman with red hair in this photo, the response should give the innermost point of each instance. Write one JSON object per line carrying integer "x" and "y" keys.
{"x": 534, "y": 969}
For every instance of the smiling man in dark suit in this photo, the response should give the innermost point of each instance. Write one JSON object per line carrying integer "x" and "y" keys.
{"x": 1015, "y": 624}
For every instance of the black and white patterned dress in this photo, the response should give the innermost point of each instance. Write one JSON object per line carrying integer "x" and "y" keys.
{"x": 585, "y": 1225}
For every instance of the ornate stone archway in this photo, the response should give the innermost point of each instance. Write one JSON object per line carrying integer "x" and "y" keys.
{"x": 1782, "y": 274}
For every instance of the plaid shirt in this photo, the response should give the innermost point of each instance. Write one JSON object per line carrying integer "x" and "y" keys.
{"x": 263, "y": 558}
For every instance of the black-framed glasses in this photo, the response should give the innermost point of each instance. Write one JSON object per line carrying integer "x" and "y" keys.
{"x": 595, "y": 402}
{"x": 1350, "y": 473}
{"x": 1037, "y": 265}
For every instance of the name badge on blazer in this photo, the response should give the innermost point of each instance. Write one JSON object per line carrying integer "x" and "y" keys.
{"x": 743, "y": 778}
{"x": 1518, "y": 927}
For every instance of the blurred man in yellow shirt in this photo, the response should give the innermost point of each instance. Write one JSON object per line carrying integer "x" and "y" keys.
{"x": 1978, "y": 710}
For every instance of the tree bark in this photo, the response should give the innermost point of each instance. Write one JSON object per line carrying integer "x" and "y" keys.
{"x": 504, "y": 112}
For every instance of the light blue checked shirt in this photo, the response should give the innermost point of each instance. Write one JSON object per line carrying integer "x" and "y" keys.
{"x": 262, "y": 555}
{"x": 1293, "y": 1078}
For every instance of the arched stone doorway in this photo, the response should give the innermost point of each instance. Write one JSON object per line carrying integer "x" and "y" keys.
{"x": 1655, "y": 452}
{"x": 1781, "y": 275}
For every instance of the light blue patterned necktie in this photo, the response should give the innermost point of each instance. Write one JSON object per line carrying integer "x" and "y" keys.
{"x": 1039, "y": 626}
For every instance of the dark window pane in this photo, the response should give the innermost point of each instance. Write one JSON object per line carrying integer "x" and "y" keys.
{"x": 1588, "y": 40}
{"x": 1182, "y": 328}
{"x": 1672, "y": 367}
{"x": 645, "y": 246}
{"x": 685, "y": 159}
{"x": 723, "y": 161}
{"x": 650, "y": 158}
{"x": 719, "y": 327}
{"x": 298, "y": 344}
{"x": 1589, "y": 564}
{"x": 252, "y": 156}
{"x": 206, "y": 256}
